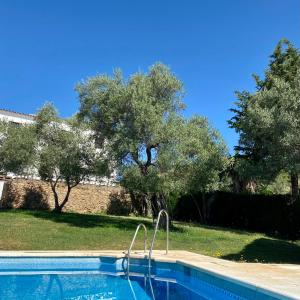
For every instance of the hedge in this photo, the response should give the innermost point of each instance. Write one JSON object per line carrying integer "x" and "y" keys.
{"x": 272, "y": 214}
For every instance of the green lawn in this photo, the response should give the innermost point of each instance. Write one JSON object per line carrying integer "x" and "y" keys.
{"x": 32, "y": 230}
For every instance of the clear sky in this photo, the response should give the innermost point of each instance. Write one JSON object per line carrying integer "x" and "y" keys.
{"x": 213, "y": 46}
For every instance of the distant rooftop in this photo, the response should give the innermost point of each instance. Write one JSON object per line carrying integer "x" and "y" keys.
{"x": 12, "y": 113}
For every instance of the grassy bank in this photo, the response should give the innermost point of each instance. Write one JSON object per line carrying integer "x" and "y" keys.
{"x": 32, "y": 230}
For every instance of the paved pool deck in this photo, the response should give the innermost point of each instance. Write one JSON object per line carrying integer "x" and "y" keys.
{"x": 279, "y": 279}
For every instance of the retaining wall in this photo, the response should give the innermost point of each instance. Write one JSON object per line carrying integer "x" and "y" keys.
{"x": 84, "y": 198}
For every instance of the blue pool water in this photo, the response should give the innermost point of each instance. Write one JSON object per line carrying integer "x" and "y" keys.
{"x": 105, "y": 278}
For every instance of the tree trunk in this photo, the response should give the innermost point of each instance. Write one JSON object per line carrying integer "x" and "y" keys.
{"x": 198, "y": 208}
{"x": 294, "y": 186}
{"x": 58, "y": 207}
{"x": 146, "y": 206}
{"x": 155, "y": 206}
{"x": 56, "y": 201}
{"x": 66, "y": 198}
{"x": 137, "y": 203}
{"x": 158, "y": 202}
{"x": 251, "y": 186}
{"x": 204, "y": 209}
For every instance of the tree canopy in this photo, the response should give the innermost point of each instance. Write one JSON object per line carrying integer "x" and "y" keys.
{"x": 155, "y": 148}
{"x": 268, "y": 120}
{"x": 66, "y": 153}
{"x": 54, "y": 149}
{"x": 17, "y": 148}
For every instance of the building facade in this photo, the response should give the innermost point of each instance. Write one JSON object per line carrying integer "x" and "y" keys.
{"x": 15, "y": 117}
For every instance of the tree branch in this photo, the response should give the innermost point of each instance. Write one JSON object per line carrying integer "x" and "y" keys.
{"x": 149, "y": 154}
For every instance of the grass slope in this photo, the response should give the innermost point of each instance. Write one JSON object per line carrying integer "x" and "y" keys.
{"x": 36, "y": 230}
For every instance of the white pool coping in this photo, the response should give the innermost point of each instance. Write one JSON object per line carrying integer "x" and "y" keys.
{"x": 276, "y": 279}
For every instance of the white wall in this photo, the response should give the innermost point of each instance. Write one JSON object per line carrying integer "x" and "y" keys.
{"x": 15, "y": 119}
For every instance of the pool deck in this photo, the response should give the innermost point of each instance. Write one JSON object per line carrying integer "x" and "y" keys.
{"x": 279, "y": 279}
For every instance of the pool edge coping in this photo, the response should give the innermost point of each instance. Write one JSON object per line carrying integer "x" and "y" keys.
{"x": 180, "y": 257}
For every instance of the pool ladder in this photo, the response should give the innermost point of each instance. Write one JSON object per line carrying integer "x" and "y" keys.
{"x": 132, "y": 243}
{"x": 163, "y": 211}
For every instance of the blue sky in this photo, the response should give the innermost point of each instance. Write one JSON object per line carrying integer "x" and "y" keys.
{"x": 213, "y": 46}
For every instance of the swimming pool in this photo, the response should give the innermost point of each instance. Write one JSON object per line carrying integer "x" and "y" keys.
{"x": 105, "y": 278}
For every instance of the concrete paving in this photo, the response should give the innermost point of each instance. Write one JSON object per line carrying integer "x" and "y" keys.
{"x": 283, "y": 279}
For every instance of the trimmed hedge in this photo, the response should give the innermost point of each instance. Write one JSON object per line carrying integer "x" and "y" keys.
{"x": 272, "y": 214}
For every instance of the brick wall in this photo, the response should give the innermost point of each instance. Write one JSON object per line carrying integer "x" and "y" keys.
{"x": 35, "y": 194}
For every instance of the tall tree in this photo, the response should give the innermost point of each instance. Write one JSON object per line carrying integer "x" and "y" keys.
{"x": 132, "y": 116}
{"x": 268, "y": 120}
{"x": 140, "y": 120}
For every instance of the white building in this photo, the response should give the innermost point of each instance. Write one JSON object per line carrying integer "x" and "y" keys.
{"x": 15, "y": 117}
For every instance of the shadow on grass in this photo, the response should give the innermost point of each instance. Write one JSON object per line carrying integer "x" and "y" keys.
{"x": 268, "y": 251}
{"x": 244, "y": 231}
{"x": 89, "y": 221}
{"x": 217, "y": 228}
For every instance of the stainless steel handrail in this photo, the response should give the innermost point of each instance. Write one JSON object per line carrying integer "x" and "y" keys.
{"x": 132, "y": 243}
{"x": 154, "y": 235}
{"x": 131, "y": 288}
{"x": 151, "y": 287}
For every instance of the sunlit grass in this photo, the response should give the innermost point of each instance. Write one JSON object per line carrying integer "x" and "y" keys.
{"x": 32, "y": 230}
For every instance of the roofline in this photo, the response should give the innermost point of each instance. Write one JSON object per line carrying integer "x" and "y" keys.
{"x": 15, "y": 113}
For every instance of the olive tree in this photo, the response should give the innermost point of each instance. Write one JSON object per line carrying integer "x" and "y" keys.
{"x": 194, "y": 161}
{"x": 66, "y": 153}
{"x": 57, "y": 150}
{"x": 17, "y": 148}
{"x": 140, "y": 120}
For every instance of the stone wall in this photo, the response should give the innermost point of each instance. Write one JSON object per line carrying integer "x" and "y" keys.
{"x": 84, "y": 198}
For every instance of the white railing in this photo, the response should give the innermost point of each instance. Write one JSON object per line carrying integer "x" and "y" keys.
{"x": 163, "y": 211}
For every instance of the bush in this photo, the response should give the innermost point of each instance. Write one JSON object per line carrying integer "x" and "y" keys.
{"x": 29, "y": 196}
{"x": 119, "y": 204}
